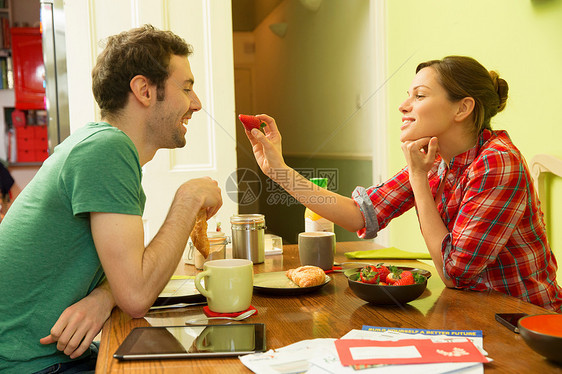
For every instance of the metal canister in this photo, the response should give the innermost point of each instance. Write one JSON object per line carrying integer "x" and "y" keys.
{"x": 248, "y": 237}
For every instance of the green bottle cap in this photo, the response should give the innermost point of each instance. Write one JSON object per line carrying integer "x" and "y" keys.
{"x": 320, "y": 182}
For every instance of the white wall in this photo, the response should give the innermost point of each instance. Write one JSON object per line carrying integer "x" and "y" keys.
{"x": 315, "y": 79}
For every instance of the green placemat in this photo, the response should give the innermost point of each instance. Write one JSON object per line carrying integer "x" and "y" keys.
{"x": 389, "y": 252}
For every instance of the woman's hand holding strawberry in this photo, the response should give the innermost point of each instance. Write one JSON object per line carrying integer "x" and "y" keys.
{"x": 267, "y": 146}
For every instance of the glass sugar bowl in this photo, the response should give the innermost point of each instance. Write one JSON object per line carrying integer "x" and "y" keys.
{"x": 217, "y": 249}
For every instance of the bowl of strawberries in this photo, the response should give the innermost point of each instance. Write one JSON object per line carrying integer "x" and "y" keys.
{"x": 387, "y": 284}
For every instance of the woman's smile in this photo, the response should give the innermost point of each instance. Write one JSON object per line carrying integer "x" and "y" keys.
{"x": 406, "y": 121}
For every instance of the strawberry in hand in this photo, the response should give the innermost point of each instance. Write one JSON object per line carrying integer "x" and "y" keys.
{"x": 251, "y": 122}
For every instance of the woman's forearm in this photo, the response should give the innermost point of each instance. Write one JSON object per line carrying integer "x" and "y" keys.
{"x": 432, "y": 226}
{"x": 339, "y": 209}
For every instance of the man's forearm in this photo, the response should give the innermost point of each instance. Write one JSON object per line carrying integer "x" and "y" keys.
{"x": 166, "y": 249}
{"x": 104, "y": 295}
{"x": 137, "y": 274}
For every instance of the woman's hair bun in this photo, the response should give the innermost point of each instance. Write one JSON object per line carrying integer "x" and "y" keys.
{"x": 501, "y": 87}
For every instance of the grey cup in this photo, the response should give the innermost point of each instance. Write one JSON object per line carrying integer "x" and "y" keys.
{"x": 317, "y": 248}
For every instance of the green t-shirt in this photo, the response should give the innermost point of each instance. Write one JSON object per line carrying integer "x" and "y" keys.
{"x": 48, "y": 260}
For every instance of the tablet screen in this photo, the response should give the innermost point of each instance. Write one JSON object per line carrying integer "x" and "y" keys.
{"x": 192, "y": 341}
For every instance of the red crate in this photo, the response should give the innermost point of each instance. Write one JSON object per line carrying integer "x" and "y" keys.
{"x": 40, "y": 133}
{"x": 26, "y": 155}
{"x": 29, "y": 69}
{"x": 41, "y": 154}
{"x": 32, "y": 143}
{"x": 25, "y": 133}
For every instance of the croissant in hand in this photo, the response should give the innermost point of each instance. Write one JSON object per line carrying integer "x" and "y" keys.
{"x": 199, "y": 234}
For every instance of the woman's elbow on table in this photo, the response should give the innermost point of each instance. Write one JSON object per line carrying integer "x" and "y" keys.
{"x": 449, "y": 284}
{"x": 445, "y": 278}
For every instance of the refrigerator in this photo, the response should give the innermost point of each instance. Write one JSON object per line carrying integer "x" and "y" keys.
{"x": 56, "y": 85}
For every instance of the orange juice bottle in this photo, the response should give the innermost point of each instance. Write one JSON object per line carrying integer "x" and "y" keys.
{"x": 312, "y": 221}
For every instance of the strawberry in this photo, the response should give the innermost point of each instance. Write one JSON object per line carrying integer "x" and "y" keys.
{"x": 406, "y": 278}
{"x": 369, "y": 274}
{"x": 382, "y": 270}
{"x": 393, "y": 274}
{"x": 400, "y": 277}
{"x": 251, "y": 122}
{"x": 391, "y": 278}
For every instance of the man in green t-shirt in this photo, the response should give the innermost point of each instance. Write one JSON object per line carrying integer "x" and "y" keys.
{"x": 72, "y": 244}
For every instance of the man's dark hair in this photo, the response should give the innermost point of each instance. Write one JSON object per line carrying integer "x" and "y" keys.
{"x": 141, "y": 51}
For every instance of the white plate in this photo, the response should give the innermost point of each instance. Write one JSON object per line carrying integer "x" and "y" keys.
{"x": 179, "y": 291}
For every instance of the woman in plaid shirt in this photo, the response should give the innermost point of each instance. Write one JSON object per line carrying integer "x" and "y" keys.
{"x": 473, "y": 193}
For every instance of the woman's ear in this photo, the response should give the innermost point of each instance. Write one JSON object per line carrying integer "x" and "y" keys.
{"x": 141, "y": 89}
{"x": 465, "y": 108}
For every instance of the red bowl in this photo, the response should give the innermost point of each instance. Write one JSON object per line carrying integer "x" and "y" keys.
{"x": 543, "y": 333}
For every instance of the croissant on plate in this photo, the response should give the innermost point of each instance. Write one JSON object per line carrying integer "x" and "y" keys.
{"x": 307, "y": 276}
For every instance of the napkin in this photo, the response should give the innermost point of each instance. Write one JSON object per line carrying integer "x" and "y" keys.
{"x": 183, "y": 277}
{"x": 389, "y": 252}
{"x": 209, "y": 313}
{"x": 334, "y": 268}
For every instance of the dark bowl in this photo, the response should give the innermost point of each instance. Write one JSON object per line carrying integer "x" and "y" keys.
{"x": 543, "y": 333}
{"x": 386, "y": 295}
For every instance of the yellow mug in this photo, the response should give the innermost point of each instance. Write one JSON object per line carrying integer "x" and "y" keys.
{"x": 229, "y": 284}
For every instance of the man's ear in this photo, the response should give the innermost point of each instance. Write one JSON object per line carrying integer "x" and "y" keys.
{"x": 141, "y": 89}
{"x": 465, "y": 108}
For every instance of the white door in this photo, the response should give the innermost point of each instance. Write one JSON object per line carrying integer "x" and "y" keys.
{"x": 211, "y": 135}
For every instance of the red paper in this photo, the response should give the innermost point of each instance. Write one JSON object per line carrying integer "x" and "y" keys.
{"x": 406, "y": 351}
{"x": 209, "y": 313}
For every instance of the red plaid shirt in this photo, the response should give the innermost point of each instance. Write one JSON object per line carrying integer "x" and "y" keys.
{"x": 497, "y": 238}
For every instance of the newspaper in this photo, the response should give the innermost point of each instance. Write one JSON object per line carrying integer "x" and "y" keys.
{"x": 320, "y": 355}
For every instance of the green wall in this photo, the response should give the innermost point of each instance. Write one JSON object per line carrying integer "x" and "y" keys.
{"x": 521, "y": 39}
{"x": 313, "y": 81}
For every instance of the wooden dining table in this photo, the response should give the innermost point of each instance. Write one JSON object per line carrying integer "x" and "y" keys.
{"x": 332, "y": 311}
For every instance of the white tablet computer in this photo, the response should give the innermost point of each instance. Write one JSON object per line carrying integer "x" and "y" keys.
{"x": 168, "y": 342}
